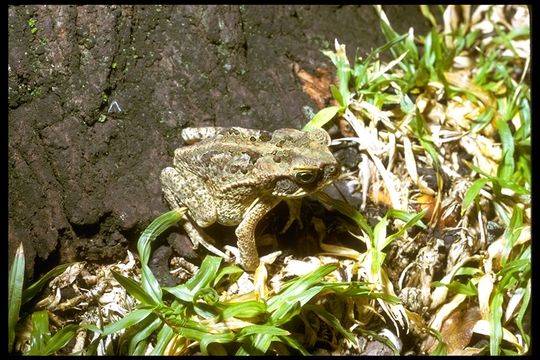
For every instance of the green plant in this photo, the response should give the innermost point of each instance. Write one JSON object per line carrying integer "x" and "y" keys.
{"x": 16, "y": 279}
{"x": 194, "y": 311}
{"x": 42, "y": 343}
{"x": 504, "y": 279}
{"x": 32, "y": 22}
{"x": 459, "y": 90}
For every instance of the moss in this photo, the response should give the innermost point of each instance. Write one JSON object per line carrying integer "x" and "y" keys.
{"x": 32, "y": 25}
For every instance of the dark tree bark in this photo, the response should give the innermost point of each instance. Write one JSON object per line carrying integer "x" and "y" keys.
{"x": 99, "y": 94}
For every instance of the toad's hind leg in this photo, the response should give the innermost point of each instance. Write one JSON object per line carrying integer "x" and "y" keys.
{"x": 186, "y": 189}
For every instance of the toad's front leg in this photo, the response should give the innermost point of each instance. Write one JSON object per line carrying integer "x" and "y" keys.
{"x": 245, "y": 232}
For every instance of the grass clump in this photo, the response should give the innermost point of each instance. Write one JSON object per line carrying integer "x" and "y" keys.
{"x": 457, "y": 107}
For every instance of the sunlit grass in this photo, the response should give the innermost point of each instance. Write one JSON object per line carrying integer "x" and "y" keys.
{"x": 466, "y": 85}
{"x": 41, "y": 341}
{"x": 196, "y": 312}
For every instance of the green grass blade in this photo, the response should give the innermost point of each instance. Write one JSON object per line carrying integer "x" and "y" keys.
{"x": 379, "y": 234}
{"x": 150, "y": 284}
{"x": 466, "y": 289}
{"x": 262, "y": 342}
{"x": 346, "y": 210}
{"x": 295, "y": 294}
{"x": 523, "y": 167}
{"x": 181, "y": 292}
{"x": 483, "y": 120}
{"x": 244, "y": 350}
{"x": 130, "y": 319}
{"x": 134, "y": 288}
{"x": 412, "y": 221}
{"x": 331, "y": 320}
{"x": 360, "y": 68}
{"x": 206, "y": 311}
{"x": 60, "y": 339}
{"x": 164, "y": 336}
{"x": 40, "y": 332}
{"x": 501, "y": 213}
{"x": 343, "y": 72}
{"x": 260, "y": 329}
{"x": 254, "y": 343}
{"x": 151, "y": 324}
{"x": 472, "y": 193}
{"x": 468, "y": 271}
{"x": 388, "y": 32}
{"x": 337, "y": 95}
{"x": 36, "y": 287}
{"x": 428, "y": 15}
{"x": 441, "y": 349}
{"x": 244, "y": 310}
{"x": 419, "y": 129}
{"x": 208, "y": 295}
{"x": 480, "y": 171}
{"x": 294, "y": 290}
{"x": 495, "y": 316}
{"x": 321, "y": 118}
{"x": 513, "y": 271}
{"x": 522, "y": 311}
{"x": 411, "y": 50}
{"x": 354, "y": 289}
{"x": 507, "y": 166}
{"x": 140, "y": 348}
{"x": 161, "y": 223}
{"x": 208, "y": 339}
{"x": 524, "y": 130}
{"x": 285, "y": 312}
{"x": 15, "y": 283}
{"x": 293, "y": 343}
{"x": 301, "y": 292}
{"x": 290, "y": 307}
{"x": 407, "y": 217}
{"x": 406, "y": 104}
{"x": 192, "y": 332}
{"x": 248, "y": 346}
{"x": 234, "y": 270}
{"x": 512, "y": 232}
{"x": 515, "y": 187}
{"x": 503, "y": 183}
{"x": 206, "y": 274}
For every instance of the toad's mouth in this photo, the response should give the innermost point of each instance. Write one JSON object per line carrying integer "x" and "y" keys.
{"x": 287, "y": 188}
{"x": 296, "y": 194}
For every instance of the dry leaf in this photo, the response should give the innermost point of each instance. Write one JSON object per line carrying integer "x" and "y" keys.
{"x": 316, "y": 85}
{"x": 457, "y": 329}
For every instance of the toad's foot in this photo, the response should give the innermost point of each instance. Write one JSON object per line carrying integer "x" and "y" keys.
{"x": 198, "y": 236}
{"x": 295, "y": 206}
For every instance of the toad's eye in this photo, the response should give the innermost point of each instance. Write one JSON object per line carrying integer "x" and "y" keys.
{"x": 306, "y": 177}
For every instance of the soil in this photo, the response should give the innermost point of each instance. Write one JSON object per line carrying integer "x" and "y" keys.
{"x": 98, "y": 96}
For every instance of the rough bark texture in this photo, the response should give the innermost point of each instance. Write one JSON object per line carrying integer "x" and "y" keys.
{"x": 99, "y": 94}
